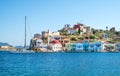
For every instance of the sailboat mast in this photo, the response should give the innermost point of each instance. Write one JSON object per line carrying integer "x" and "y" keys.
{"x": 25, "y": 33}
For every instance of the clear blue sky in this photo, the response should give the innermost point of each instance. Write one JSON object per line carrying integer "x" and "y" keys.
{"x": 53, "y": 14}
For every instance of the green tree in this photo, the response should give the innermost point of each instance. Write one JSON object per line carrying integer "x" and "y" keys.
{"x": 92, "y": 37}
{"x": 81, "y": 38}
{"x": 76, "y": 33}
{"x": 73, "y": 39}
{"x": 117, "y": 33}
{"x": 79, "y": 30}
{"x": 106, "y": 28}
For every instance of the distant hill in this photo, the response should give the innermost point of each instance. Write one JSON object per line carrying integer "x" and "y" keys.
{"x": 4, "y": 44}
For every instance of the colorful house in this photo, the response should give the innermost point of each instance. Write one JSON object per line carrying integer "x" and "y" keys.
{"x": 78, "y": 47}
{"x": 95, "y": 47}
{"x": 37, "y": 44}
{"x": 69, "y": 47}
{"x": 83, "y": 28}
{"x": 88, "y": 47}
{"x": 117, "y": 47}
{"x": 71, "y": 30}
{"x": 108, "y": 47}
{"x": 55, "y": 46}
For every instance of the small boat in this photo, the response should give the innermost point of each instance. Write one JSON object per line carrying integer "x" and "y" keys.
{"x": 22, "y": 50}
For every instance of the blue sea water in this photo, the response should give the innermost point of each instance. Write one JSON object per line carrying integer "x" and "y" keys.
{"x": 60, "y": 64}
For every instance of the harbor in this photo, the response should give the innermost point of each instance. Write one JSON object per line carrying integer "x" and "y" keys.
{"x": 79, "y": 38}
{"x": 59, "y": 37}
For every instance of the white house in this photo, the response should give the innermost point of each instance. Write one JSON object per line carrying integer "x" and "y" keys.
{"x": 55, "y": 46}
{"x": 117, "y": 47}
{"x": 108, "y": 47}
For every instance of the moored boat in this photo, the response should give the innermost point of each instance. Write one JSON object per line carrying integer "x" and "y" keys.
{"x": 23, "y": 50}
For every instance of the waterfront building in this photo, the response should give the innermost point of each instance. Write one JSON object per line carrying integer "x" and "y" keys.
{"x": 92, "y": 47}
{"x": 81, "y": 47}
{"x": 69, "y": 47}
{"x": 95, "y": 47}
{"x": 37, "y": 44}
{"x": 108, "y": 47}
{"x": 78, "y": 47}
{"x": 55, "y": 46}
{"x": 88, "y": 46}
{"x": 117, "y": 47}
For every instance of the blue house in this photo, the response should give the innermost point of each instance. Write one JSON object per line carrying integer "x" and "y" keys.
{"x": 95, "y": 46}
{"x": 87, "y": 47}
{"x": 78, "y": 47}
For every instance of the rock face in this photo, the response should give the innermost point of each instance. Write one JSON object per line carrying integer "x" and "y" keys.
{"x": 6, "y": 46}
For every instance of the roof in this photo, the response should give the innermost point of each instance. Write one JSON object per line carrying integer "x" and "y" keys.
{"x": 55, "y": 41}
{"x": 70, "y": 29}
{"x": 76, "y": 26}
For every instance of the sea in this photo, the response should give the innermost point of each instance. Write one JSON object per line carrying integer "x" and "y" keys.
{"x": 59, "y": 64}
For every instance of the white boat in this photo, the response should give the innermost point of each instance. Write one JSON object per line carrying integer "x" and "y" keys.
{"x": 23, "y": 50}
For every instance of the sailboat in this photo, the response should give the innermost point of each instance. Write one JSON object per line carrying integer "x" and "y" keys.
{"x": 23, "y": 50}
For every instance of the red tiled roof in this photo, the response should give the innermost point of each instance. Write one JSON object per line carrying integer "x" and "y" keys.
{"x": 55, "y": 41}
{"x": 76, "y": 26}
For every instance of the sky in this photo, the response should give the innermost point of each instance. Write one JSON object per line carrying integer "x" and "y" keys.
{"x": 53, "y": 15}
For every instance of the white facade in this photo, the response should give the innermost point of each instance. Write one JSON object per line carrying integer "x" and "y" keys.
{"x": 56, "y": 47}
{"x": 54, "y": 33}
{"x": 55, "y": 37}
{"x": 108, "y": 47}
{"x": 117, "y": 47}
{"x": 85, "y": 29}
{"x": 39, "y": 44}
